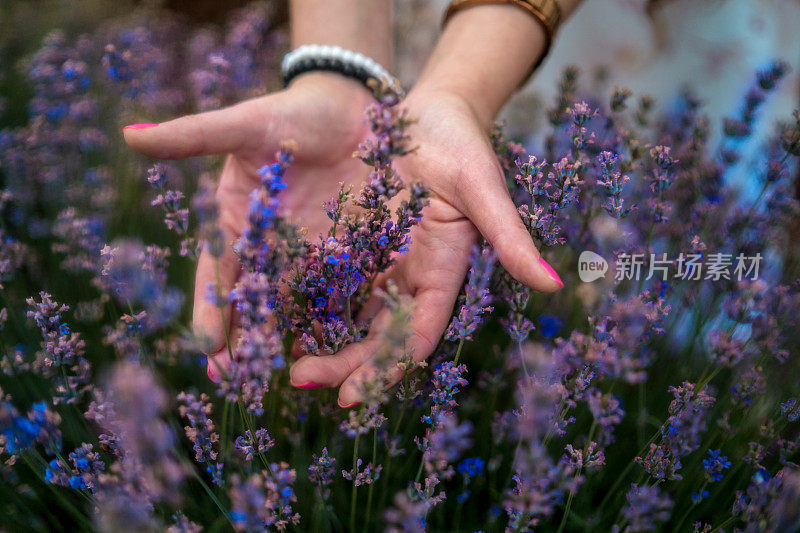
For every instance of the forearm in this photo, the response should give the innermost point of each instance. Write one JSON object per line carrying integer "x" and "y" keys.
{"x": 363, "y": 26}
{"x": 484, "y": 53}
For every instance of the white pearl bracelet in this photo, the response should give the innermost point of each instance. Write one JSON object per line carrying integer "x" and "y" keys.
{"x": 310, "y": 57}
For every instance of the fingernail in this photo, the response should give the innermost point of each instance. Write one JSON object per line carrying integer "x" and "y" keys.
{"x": 347, "y": 406}
{"x": 308, "y": 385}
{"x": 210, "y": 376}
{"x": 139, "y": 126}
{"x": 550, "y": 271}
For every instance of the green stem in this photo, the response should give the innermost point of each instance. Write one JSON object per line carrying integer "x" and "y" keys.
{"x": 354, "y": 493}
{"x": 348, "y": 314}
{"x": 725, "y": 523}
{"x": 224, "y": 430}
{"x": 642, "y": 411}
{"x": 625, "y": 472}
{"x": 371, "y": 485}
{"x": 689, "y": 508}
{"x": 248, "y": 424}
{"x": 76, "y": 513}
{"x": 213, "y": 496}
{"x": 522, "y": 360}
{"x": 563, "y": 523}
{"x": 459, "y": 510}
{"x": 458, "y": 351}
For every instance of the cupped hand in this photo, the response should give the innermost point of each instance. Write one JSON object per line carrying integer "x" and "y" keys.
{"x": 469, "y": 199}
{"x": 323, "y": 112}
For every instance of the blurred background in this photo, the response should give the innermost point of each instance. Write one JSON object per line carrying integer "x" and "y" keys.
{"x": 654, "y": 47}
{"x": 76, "y": 186}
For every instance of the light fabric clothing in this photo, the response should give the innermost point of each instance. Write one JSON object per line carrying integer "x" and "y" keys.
{"x": 713, "y": 46}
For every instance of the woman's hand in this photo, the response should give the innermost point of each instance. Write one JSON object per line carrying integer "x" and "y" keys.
{"x": 322, "y": 112}
{"x": 469, "y": 199}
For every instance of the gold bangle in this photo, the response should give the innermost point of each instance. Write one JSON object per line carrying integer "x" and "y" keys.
{"x": 546, "y": 12}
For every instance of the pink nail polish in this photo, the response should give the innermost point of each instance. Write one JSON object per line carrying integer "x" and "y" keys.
{"x": 550, "y": 271}
{"x": 139, "y": 126}
{"x": 210, "y": 376}
{"x": 347, "y": 406}
{"x": 308, "y": 385}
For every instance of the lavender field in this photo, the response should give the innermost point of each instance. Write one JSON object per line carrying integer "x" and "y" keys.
{"x": 657, "y": 391}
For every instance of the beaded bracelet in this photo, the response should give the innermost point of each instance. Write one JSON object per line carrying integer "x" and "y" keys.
{"x": 310, "y": 57}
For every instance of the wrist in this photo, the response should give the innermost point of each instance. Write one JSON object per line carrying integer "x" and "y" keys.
{"x": 333, "y": 84}
{"x": 483, "y": 55}
{"x": 363, "y": 26}
{"x": 455, "y": 93}
{"x": 442, "y": 94}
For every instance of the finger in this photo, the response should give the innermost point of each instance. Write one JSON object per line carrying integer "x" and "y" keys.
{"x": 215, "y": 132}
{"x": 376, "y": 301}
{"x": 208, "y": 321}
{"x": 484, "y": 198}
{"x": 219, "y": 362}
{"x": 430, "y": 318}
{"x": 313, "y": 371}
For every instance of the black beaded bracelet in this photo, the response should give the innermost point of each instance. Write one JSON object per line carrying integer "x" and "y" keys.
{"x": 311, "y": 57}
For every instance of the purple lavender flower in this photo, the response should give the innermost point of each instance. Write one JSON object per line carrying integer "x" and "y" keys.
{"x": 769, "y": 77}
{"x": 182, "y": 524}
{"x": 769, "y": 502}
{"x": 83, "y": 472}
{"x": 587, "y": 459}
{"x": 539, "y": 482}
{"x": 264, "y": 501}
{"x": 750, "y": 384}
{"x": 741, "y": 126}
{"x": 790, "y": 140}
{"x": 607, "y": 413}
{"x": 612, "y": 180}
{"x": 516, "y": 295}
{"x": 362, "y": 421}
{"x": 176, "y": 218}
{"x": 147, "y": 470}
{"x": 646, "y": 507}
{"x": 141, "y": 64}
{"x": 249, "y": 447}
{"x": 726, "y": 350}
{"x": 259, "y": 351}
{"x": 660, "y": 179}
{"x": 366, "y": 476}
{"x": 20, "y": 433}
{"x": 321, "y": 472}
{"x": 447, "y": 380}
{"x": 791, "y": 409}
{"x": 81, "y": 239}
{"x": 205, "y": 207}
{"x": 200, "y": 432}
{"x": 136, "y": 276}
{"x": 680, "y": 434}
{"x": 445, "y": 444}
{"x": 477, "y": 296}
{"x": 62, "y": 356}
{"x": 407, "y": 515}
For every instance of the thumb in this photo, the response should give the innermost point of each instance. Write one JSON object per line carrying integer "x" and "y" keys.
{"x": 484, "y": 199}
{"x": 215, "y": 132}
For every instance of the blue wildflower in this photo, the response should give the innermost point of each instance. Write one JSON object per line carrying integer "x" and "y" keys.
{"x": 715, "y": 464}
{"x": 471, "y": 467}
{"x": 549, "y": 326}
